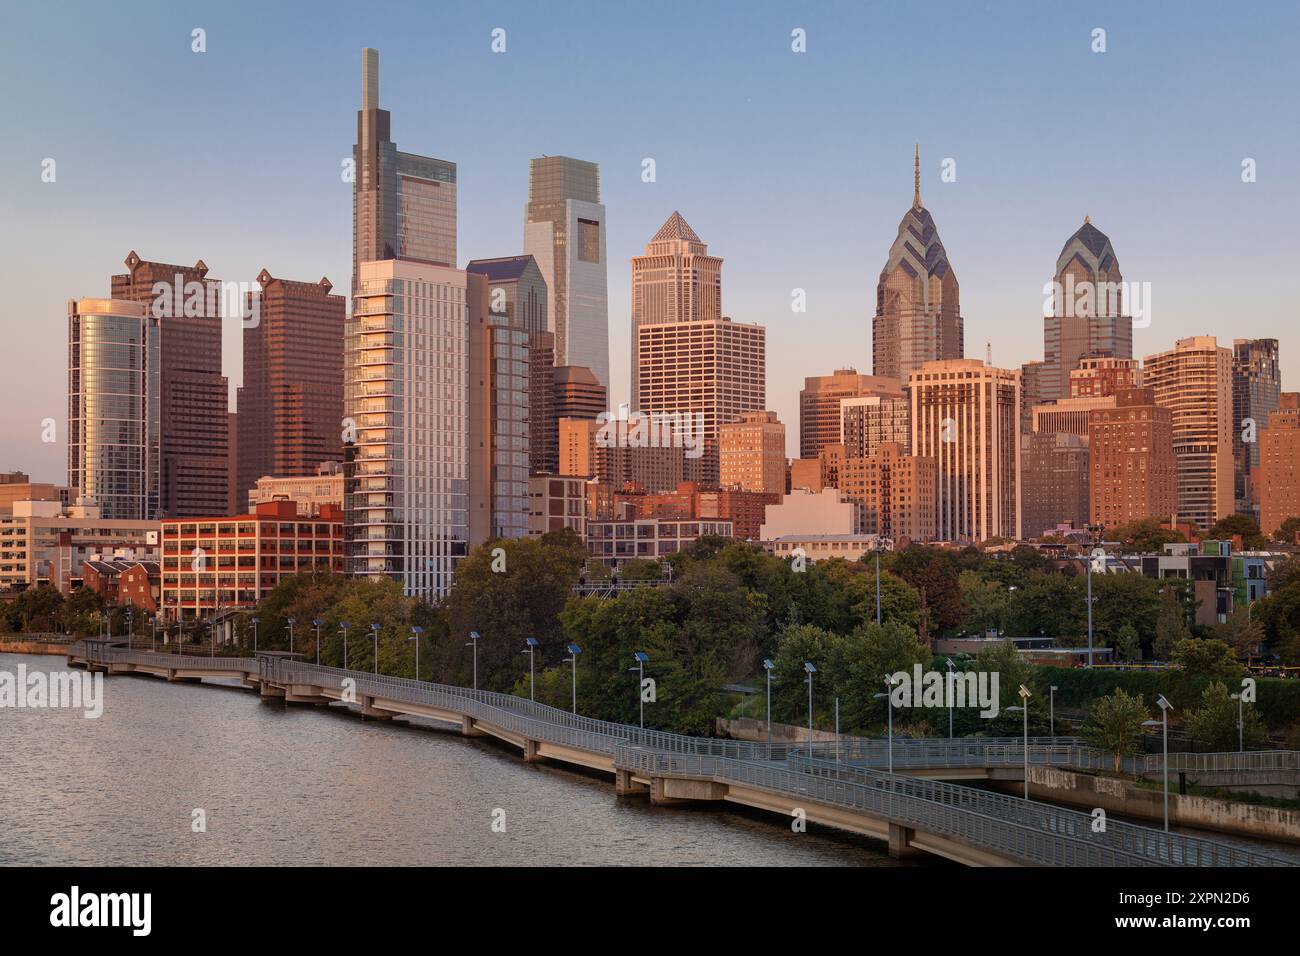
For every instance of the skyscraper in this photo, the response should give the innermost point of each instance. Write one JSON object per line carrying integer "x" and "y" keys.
{"x": 1133, "y": 474}
{"x": 291, "y": 402}
{"x": 821, "y": 420}
{"x": 1087, "y": 314}
{"x": 564, "y": 230}
{"x": 406, "y": 402}
{"x": 194, "y": 398}
{"x": 113, "y": 407}
{"x": 869, "y": 420}
{"x": 918, "y": 300}
{"x": 1256, "y": 384}
{"x": 752, "y": 453}
{"x": 710, "y": 372}
{"x": 675, "y": 281}
{"x": 1194, "y": 381}
{"x": 965, "y": 415}
{"x": 1279, "y": 464}
{"x": 403, "y": 205}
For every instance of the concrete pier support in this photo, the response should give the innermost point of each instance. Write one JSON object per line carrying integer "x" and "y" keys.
{"x": 625, "y": 786}
{"x": 171, "y": 677}
{"x": 900, "y": 842}
{"x": 467, "y": 728}
{"x": 271, "y": 691}
{"x": 530, "y": 751}
{"x": 670, "y": 790}
{"x": 368, "y": 709}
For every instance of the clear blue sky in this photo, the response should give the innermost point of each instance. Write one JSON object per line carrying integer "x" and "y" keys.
{"x": 795, "y": 168}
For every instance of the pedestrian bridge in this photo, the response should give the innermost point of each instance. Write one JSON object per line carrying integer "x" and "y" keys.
{"x": 830, "y": 783}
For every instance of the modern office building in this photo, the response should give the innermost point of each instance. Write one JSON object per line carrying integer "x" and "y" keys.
{"x": 709, "y": 372}
{"x": 46, "y": 542}
{"x": 556, "y": 502}
{"x": 564, "y": 230}
{"x": 1132, "y": 469}
{"x": 1279, "y": 464}
{"x": 1031, "y": 393}
{"x": 210, "y": 564}
{"x": 403, "y": 205}
{"x": 1068, "y": 416}
{"x": 1054, "y": 476}
{"x": 675, "y": 281}
{"x": 1194, "y": 381}
{"x": 868, "y": 421}
{"x": 821, "y": 400}
{"x": 1256, "y": 384}
{"x": 1087, "y": 312}
{"x": 406, "y": 392}
{"x": 113, "y": 423}
{"x": 897, "y": 492}
{"x": 966, "y": 416}
{"x": 751, "y": 453}
{"x": 614, "y": 543}
{"x": 918, "y": 299}
{"x": 590, "y": 449}
{"x": 291, "y": 403}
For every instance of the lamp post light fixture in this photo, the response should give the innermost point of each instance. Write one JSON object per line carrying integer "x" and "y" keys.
{"x": 877, "y": 550}
{"x": 951, "y": 688}
{"x": 254, "y": 623}
{"x": 531, "y": 651}
{"x": 416, "y": 631}
{"x": 473, "y": 642}
{"x": 153, "y": 642}
{"x": 641, "y": 658}
{"x": 1163, "y": 724}
{"x": 809, "y": 669}
{"x": 1241, "y": 730}
{"x": 890, "y": 681}
{"x": 291, "y": 622}
{"x": 1025, "y": 694}
{"x": 769, "y": 666}
{"x": 343, "y": 626}
{"x": 1051, "y": 702}
{"x": 574, "y": 650}
{"x": 316, "y": 623}
{"x": 374, "y": 629}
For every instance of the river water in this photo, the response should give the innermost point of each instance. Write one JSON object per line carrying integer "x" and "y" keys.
{"x": 308, "y": 785}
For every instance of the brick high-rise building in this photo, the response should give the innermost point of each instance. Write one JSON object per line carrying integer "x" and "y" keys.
{"x": 820, "y": 405}
{"x": 1256, "y": 384}
{"x": 194, "y": 426}
{"x": 966, "y": 416}
{"x": 710, "y": 371}
{"x": 751, "y": 453}
{"x": 403, "y": 205}
{"x": 1279, "y": 464}
{"x": 1194, "y": 381}
{"x": 1053, "y": 481}
{"x": 564, "y": 230}
{"x": 291, "y": 402}
{"x": 675, "y": 281}
{"x": 897, "y": 491}
{"x": 1132, "y": 469}
{"x": 1087, "y": 315}
{"x": 1100, "y": 375}
{"x": 1031, "y": 393}
{"x": 870, "y": 420}
{"x": 918, "y": 299}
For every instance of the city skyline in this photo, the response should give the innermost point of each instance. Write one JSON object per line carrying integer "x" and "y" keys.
{"x": 826, "y": 231}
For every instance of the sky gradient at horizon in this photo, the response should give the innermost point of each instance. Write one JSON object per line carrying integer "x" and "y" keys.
{"x": 794, "y": 168}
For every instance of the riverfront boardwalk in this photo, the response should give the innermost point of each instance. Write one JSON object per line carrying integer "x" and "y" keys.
{"x": 832, "y": 785}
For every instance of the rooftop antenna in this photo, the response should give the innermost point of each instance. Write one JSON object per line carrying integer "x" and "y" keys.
{"x": 916, "y": 178}
{"x": 988, "y": 353}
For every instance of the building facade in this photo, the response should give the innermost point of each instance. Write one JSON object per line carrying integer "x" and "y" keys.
{"x": 869, "y": 421}
{"x": 821, "y": 404}
{"x": 564, "y": 231}
{"x": 1194, "y": 381}
{"x": 43, "y": 542}
{"x": 1132, "y": 469}
{"x": 291, "y": 403}
{"x": 751, "y": 453}
{"x": 113, "y": 414}
{"x": 1054, "y": 473}
{"x": 1256, "y": 385}
{"x": 918, "y": 299}
{"x": 897, "y": 491}
{"x": 966, "y": 416}
{"x": 1279, "y": 464}
{"x": 676, "y": 280}
{"x": 556, "y": 502}
{"x": 310, "y": 492}
{"x": 614, "y": 543}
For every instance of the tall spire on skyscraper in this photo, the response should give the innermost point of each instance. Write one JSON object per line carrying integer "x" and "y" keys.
{"x": 916, "y": 197}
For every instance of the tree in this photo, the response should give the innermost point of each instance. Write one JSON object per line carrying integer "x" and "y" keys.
{"x": 1127, "y": 645}
{"x": 1049, "y": 604}
{"x": 934, "y": 573}
{"x": 1286, "y": 532}
{"x": 1171, "y": 625}
{"x": 1241, "y": 632}
{"x": 1204, "y": 657}
{"x": 1145, "y": 535}
{"x": 1114, "y": 724}
{"x": 80, "y": 614}
{"x": 988, "y": 602}
{"x": 1214, "y": 723}
{"x": 1237, "y": 524}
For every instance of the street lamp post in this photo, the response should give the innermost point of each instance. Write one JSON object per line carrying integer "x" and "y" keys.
{"x": 473, "y": 642}
{"x": 809, "y": 669}
{"x": 531, "y": 650}
{"x": 877, "y": 582}
{"x": 951, "y": 688}
{"x": 769, "y": 666}
{"x": 1163, "y": 724}
{"x": 574, "y": 651}
{"x": 1098, "y": 554}
{"x": 1051, "y": 701}
{"x": 641, "y": 657}
{"x": 254, "y": 622}
{"x": 1241, "y": 716}
{"x": 316, "y": 623}
{"x": 890, "y": 681}
{"x": 416, "y": 631}
{"x": 343, "y": 626}
{"x": 1024, "y": 708}
{"x": 291, "y": 622}
{"x": 153, "y": 641}
{"x": 374, "y": 629}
